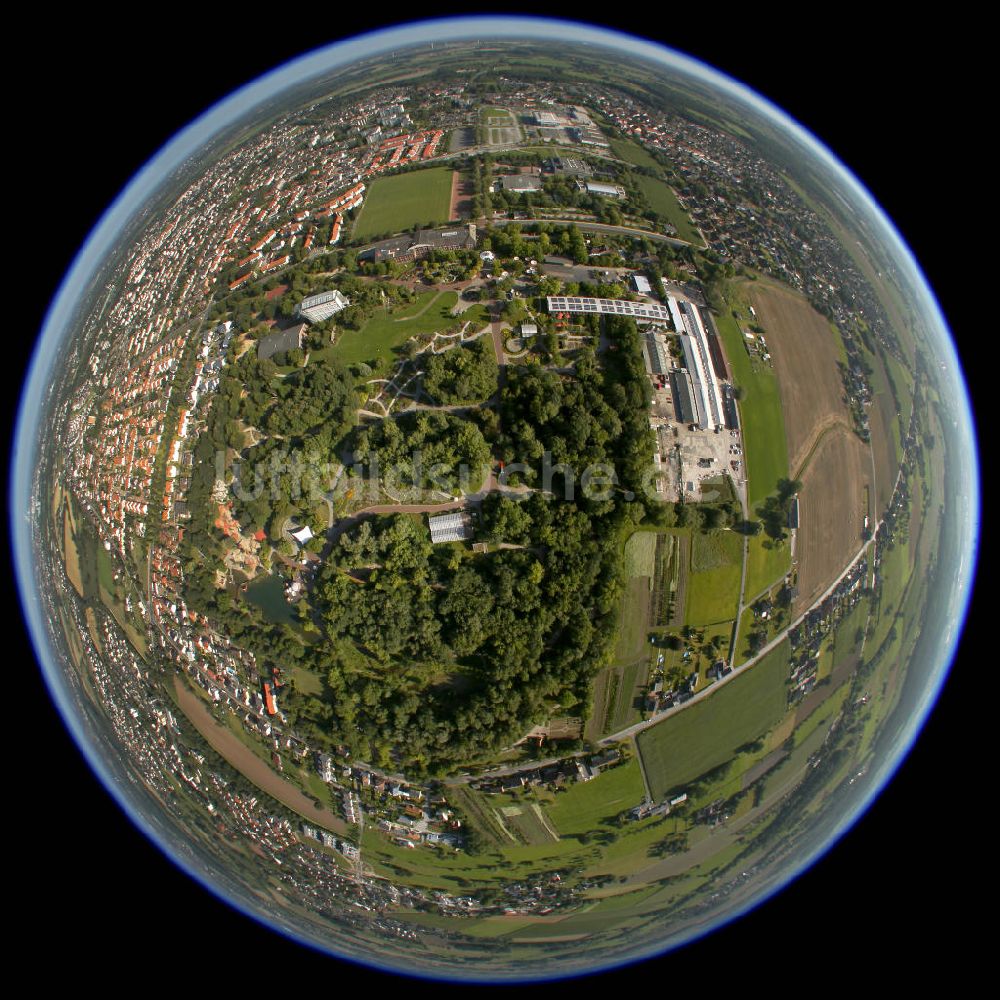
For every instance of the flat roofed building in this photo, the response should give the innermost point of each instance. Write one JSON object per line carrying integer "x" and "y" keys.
{"x": 317, "y": 308}
{"x": 453, "y": 527}
{"x": 641, "y": 284}
{"x": 655, "y": 353}
{"x": 729, "y": 410}
{"x": 413, "y": 246}
{"x": 697, "y": 356}
{"x": 521, "y": 182}
{"x": 643, "y": 312}
{"x": 278, "y": 343}
{"x": 680, "y": 383}
{"x": 607, "y": 190}
{"x": 570, "y": 165}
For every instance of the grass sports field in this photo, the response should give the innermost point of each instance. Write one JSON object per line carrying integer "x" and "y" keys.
{"x": 702, "y": 737}
{"x": 760, "y": 412}
{"x": 663, "y": 201}
{"x": 419, "y": 198}
{"x": 713, "y": 583}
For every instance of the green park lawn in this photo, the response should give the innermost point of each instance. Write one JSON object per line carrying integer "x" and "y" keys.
{"x": 382, "y": 334}
{"x": 399, "y": 202}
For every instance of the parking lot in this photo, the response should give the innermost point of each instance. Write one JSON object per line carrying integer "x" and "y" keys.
{"x": 690, "y": 456}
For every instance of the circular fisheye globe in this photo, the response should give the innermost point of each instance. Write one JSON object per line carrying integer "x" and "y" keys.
{"x": 494, "y": 499}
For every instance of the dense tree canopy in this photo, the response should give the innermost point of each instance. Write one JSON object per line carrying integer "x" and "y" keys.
{"x": 466, "y": 374}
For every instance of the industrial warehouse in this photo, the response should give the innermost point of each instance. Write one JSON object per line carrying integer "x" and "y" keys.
{"x": 703, "y": 395}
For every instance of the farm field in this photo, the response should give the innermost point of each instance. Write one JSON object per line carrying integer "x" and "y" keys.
{"x": 640, "y": 567}
{"x": 805, "y": 351}
{"x": 634, "y": 619}
{"x": 640, "y": 553}
{"x": 528, "y": 822}
{"x": 663, "y": 200}
{"x": 713, "y": 583}
{"x": 833, "y": 464}
{"x": 618, "y": 692}
{"x": 72, "y": 555}
{"x": 702, "y": 737}
{"x": 761, "y": 417}
{"x": 885, "y": 432}
{"x": 832, "y": 512}
{"x": 399, "y": 202}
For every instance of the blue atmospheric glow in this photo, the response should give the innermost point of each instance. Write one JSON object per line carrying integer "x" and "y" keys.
{"x": 105, "y": 236}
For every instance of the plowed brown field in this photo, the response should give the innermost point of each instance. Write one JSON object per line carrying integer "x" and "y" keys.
{"x": 832, "y": 462}
{"x": 831, "y": 512}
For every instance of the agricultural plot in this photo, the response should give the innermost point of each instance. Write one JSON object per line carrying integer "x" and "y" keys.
{"x": 713, "y": 584}
{"x": 618, "y": 694}
{"x": 670, "y": 579}
{"x": 761, "y": 417}
{"x": 832, "y": 512}
{"x": 804, "y": 350}
{"x": 885, "y": 433}
{"x": 707, "y": 734}
{"x": 479, "y": 812}
{"x": 663, "y": 201}
{"x": 634, "y": 619}
{"x": 399, "y": 202}
{"x": 528, "y": 822}
{"x": 71, "y": 554}
{"x": 833, "y": 464}
{"x": 640, "y": 553}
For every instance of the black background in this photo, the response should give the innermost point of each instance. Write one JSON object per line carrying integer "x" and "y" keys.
{"x": 104, "y": 97}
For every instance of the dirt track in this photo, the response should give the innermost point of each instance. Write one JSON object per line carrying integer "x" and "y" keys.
{"x": 461, "y": 197}
{"x": 250, "y": 765}
{"x": 832, "y": 462}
